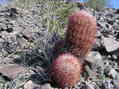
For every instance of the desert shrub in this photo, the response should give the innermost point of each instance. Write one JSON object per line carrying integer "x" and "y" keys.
{"x": 96, "y": 4}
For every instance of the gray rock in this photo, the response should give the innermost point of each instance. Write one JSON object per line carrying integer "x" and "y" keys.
{"x": 116, "y": 83}
{"x": 11, "y": 71}
{"x": 46, "y": 86}
{"x": 114, "y": 56}
{"x": 113, "y": 73}
{"x": 91, "y": 85}
{"x": 107, "y": 84}
{"x": 94, "y": 57}
{"x": 110, "y": 44}
{"x": 31, "y": 85}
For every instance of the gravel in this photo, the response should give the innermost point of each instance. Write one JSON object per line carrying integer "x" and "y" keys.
{"x": 24, "y": 39}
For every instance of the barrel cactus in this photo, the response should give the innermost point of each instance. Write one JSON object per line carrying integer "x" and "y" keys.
{"x": 65, "y": 70}
{"x": 80, "y": 34}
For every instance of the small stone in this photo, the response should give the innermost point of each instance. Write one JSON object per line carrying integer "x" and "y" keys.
{"x": 91, "y": 85}
{"x": 107, "y": 84}
{"x": 114, "y": 56}
{"x": 116, "y": 83}
{"x": 31, "y": 85}
{"x": 46, "y": 86}
{"x": 110, "y": 44}
{"x": 94, "y": 57}
{"x": 28, "y": 35}
{"x": 113, "y": 73}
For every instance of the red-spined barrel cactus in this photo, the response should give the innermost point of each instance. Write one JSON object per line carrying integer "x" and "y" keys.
{"x": 80, "y": 34}
{"x": 65, "y": 70}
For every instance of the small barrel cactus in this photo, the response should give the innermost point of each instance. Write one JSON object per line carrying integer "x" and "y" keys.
{"x": 65, "y": 70}
{"x": 80, "y": 34}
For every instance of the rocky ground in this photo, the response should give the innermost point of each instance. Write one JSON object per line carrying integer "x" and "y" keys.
{"x": 26, "y": 51}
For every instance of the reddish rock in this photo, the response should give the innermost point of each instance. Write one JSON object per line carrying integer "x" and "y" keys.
{"x": 11, "y": 71}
